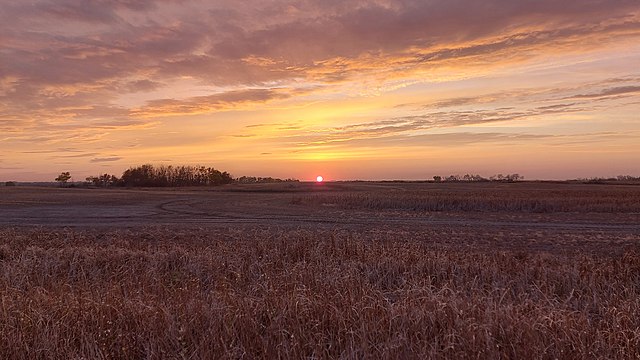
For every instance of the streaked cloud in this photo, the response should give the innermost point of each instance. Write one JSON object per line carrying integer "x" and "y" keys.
{"x": 458, "y": 112}
{"x": 616, "y": 91}
{"x": 209, "y": 103}
{"x": 106, "y": 159}
{"x": 82, "y": 155}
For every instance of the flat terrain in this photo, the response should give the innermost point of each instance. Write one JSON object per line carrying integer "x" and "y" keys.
{"x": 333, "y": 270}
{"x": 533, "y": 215}
{"x": 486, "y": 204}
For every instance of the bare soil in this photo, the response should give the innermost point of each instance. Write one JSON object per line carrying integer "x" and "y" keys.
{"x": 321, "y": 206}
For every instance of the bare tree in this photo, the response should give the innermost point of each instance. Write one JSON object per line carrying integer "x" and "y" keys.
{"x": 63, "y": 178}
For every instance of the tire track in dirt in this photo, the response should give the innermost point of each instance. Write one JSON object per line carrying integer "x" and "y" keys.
{"x": 221, "y": 209}
{"x": 203, "y": 217}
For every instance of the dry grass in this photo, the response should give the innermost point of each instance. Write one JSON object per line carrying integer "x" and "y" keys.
{"x": 613, "y": 199}
{"x": 306, "y": 294}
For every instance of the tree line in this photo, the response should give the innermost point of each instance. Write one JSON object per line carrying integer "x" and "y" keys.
{"x": 168, "y": 176}
{"x": 602, "y": 180}
{"x": 158, "y": 176}
{"x": 177, "y": 176}
{"x": 261, "y": 180}
{"x": 478, "y": 178}
{"x": 174, "y": 176}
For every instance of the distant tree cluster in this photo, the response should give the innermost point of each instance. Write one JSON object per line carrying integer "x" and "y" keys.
{"x": 478, "y": 178}
{"x": 157, "y": 176}
{"x": 261, "y": 180}
{"x": 104, "y": 180}
{"x": 598, "y": 180}
{"x": 627, "y": 178}
{"x": 174, "y": 176}
{"x": 507, "y": 178}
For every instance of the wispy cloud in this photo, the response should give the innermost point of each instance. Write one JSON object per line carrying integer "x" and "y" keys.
{"x": 106, "y": 159}
{"x": 101, "y": 74}
{"x": 455, "y": 115}
{"x": 210, "y": 103}
{"x": 83, "y": 155}
{"x": 616, "y": 91}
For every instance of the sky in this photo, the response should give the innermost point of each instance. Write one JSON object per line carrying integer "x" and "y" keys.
{"x": 381, "y": 89}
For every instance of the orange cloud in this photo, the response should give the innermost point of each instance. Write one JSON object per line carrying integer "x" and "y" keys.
{"x": 210, "y": 103}
{"x": 101, "y": 74}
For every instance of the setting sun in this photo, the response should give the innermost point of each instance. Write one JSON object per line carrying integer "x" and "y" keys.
{"x": 157, "y": 156}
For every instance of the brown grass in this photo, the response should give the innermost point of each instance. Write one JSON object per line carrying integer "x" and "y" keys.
{"x": 255, "y": 293}
{"x": 613, "y": 199}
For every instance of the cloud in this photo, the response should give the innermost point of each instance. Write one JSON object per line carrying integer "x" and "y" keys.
{"x": 228, "y": 44}
{"x": 615, "y": 91}
{"x": 142, "y": 85}
{"x": 410, "y": 34}
{"x": 58, "y": 150}
{"x": 89, "y": 11}
{"x": 106, "y": 159}
{"x": 454, "y": 113}
{"x": 210, "y": 103}
{"x": 404, "y": 25}
{"x": 244, "y": 135}
{"x": 232, "y": 44}
{"x": 91, "y": 72}
{"x": 74, "y": 156}
{"x": 452, "y": 139}
{"x": 549, "y": 96}
{"x": 424, "y": 123}
{"x": 429, "y": 121}
{"x": 593, "y": 138}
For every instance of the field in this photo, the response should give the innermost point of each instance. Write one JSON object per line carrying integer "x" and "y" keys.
{"x": 335, "y": 270}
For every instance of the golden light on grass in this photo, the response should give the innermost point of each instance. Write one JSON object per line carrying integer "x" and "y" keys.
{"x": 312, "y": 294}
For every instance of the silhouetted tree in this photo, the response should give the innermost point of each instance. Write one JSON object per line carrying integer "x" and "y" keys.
{"x": 161, "y": 176}
{"x": 627, "y": 178}
{"x": 257, "y": 180}
{"x": 139, "y": 176}
{"x": 63, "y": 178}
{"x": 514, "y": 177}
{"x": 104, "y": 180}
{"x": 507, "y": 178}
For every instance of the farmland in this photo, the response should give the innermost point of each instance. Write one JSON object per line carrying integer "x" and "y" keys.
{"x": 335, "y": 270}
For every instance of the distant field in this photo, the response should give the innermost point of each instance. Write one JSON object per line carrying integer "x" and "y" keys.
{"x": 335, "y": 270}
{"x": 329, "y": 204}
{"x": 532, "y": 198}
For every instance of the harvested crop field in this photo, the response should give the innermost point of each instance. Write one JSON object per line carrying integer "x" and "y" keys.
{"x": 302, "y": 271}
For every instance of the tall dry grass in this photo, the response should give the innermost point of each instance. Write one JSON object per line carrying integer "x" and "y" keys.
{"x": 192, "y": 294}
{"x": 507, "y": 199}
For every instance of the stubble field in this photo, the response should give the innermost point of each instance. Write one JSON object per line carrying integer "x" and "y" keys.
{"x": 342, "y": 270}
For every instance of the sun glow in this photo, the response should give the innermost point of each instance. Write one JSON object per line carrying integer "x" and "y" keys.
{"x": 319, "y": 179}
